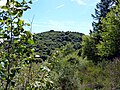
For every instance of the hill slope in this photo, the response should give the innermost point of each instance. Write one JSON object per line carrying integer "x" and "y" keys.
{"x": 46, "y": 42}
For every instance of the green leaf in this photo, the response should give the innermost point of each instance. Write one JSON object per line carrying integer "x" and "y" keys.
{"x": 13, "y": 13}
{"x": 28, "y": 33}
{"x": 15, "y": 41}
{"x": 30, "y": 2}
{"x": 17, "y": 4}
{"x": 4, "y": 7}
{"x": 24, "y": 2}
{"x": 28, "y": 24}
{"x": 30, "y": 41}
{"x": 21, "y": 22}
{"x": 1, "y": 21}
{"x": 20, "y": 13}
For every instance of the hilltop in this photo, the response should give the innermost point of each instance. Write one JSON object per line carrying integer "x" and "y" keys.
{"x": 46, "y": 42}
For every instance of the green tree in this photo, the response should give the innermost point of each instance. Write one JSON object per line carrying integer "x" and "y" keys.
{"x": 14, "y": 38}
{"x": 90, "y": 43}
{"x": 102, "y": 8}
{"x": 110, "y": 45}
{"x": 89, "y": 49}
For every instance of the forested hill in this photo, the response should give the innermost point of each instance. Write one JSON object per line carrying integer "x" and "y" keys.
{"x": 46, "y": 42}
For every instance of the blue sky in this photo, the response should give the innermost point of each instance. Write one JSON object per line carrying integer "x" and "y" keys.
{"x": 61, "y": 15}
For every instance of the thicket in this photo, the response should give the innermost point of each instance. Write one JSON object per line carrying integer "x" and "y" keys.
{"x": 103, "y": 42}
{"x": 60, "y": 60}
{"x": 72, "y": 72}
{"x": 46, "y": 42}
{"x": 16, "y": 52}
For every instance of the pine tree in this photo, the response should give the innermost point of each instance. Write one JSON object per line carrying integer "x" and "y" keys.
{"x": 102, "y": 8}
{"x": 109, "y": 47}
{"x": 90, "y": 44}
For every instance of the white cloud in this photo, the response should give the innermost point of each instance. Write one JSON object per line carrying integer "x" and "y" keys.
{"x": 35, "y": 1}
{"x": 80, "y": 2}
{"x": 82, "y": 27}
{"x": 3, "y": 2}
{"x": 60, "y": 6}
{"x": 86, "y": 2}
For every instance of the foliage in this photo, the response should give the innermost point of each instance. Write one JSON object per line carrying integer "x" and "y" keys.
{"x": 110, "y": 45}
{"x": 112, "y": 71}
{"x": 56, "y": 60}
{"x": 14, "y": 38}
{"x": 71, "y": 72}
{"x": 102, "y": 8}
{"x": 104, "y": 43}
{"x": 46, "y": 42}
{"x": 65, "y": 70}
{"x": 35, "y": 79}
{"x": 89, "y": 49}
{"x": 89, "y": 44}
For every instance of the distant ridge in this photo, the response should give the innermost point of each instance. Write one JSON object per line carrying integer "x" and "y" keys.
{"x": 46, "y": 42}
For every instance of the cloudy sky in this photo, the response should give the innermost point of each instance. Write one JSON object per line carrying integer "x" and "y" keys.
{"x": 61, "y": 15}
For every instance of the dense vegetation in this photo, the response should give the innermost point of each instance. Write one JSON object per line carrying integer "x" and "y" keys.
{"x": 46, "y": 42}
{"x": 57, "y": 60}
